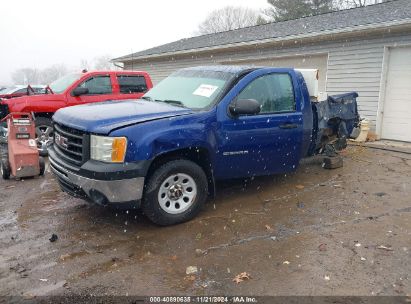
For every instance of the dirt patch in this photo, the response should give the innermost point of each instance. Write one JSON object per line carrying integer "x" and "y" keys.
{"x": 340, "y": 232}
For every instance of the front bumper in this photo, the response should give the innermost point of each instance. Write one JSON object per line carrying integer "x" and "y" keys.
{"x": 100, "y": 191}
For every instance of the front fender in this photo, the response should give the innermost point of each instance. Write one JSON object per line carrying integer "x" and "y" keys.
{"x": 151, "y": 139}
{"x": 35, "y": 104}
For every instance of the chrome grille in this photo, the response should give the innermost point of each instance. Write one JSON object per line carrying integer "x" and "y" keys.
{"x": 69, "y": 143}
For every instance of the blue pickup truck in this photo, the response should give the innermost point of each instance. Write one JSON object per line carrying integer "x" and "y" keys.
{"x": 165, "y": 152}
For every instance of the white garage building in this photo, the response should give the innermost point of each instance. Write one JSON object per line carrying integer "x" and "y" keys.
{"x": 366, "y": 49}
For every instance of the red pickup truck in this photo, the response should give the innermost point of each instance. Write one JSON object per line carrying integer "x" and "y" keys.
{"x": 75, "y": 89}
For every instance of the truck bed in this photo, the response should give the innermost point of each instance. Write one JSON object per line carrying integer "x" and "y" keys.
{"x": 334, "y": 120}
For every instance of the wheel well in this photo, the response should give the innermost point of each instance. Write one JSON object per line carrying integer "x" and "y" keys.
{"x": 43, "y": 114}
{"x": 200, "y": 156}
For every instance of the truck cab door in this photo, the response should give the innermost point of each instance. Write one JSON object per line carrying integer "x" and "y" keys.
{"x": 265, "y": 143}
{"x": 131, "y": 86}
{"x": 99, "y": 89}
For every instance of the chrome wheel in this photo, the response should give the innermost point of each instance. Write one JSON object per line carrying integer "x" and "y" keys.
{"x": 177, "y": 193}
{"x": 44, "y": 136}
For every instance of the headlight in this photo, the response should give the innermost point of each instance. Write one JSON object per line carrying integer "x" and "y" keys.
{"x": 108, "y": 149}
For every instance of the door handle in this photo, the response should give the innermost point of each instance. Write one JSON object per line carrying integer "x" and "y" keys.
{"x": 288, "y": 126}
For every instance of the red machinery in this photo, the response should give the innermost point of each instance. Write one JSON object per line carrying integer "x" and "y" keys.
{"x": 21, "y": 158}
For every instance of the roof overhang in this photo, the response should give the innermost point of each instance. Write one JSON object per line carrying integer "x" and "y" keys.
{"x": 404, "y": 24}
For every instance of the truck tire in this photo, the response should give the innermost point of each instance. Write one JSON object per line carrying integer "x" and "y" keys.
{"x": 42, "y": 165}
{"x": 175, "y": 193}
{"x": 44, "y": 134}
{"x": 5, "y": 169}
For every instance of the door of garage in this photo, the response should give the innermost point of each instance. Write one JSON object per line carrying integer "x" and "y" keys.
{"x": 317, "y": 61}
{"x": 396, "y": 121}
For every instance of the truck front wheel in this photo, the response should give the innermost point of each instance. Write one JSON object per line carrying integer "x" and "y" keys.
{"x": 44, "y": 134}
{"x": 175, "y": 192}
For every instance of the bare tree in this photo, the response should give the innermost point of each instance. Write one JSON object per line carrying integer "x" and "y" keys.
{"x": 103, "y": 63}
{"x": 26, "y": 76}
{"x": 51, "y": 73}
{"x": 228, "y": 18}
{"x": 48, "y": 75}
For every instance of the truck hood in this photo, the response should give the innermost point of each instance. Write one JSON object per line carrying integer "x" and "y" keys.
{"x": 33, "y": 98}
{"x": 104, "y": 117}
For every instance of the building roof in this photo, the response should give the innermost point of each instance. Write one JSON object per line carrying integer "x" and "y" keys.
{"x": 391, "y": 11}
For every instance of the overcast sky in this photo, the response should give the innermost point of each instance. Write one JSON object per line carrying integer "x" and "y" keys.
{"x": 45, "y": 32}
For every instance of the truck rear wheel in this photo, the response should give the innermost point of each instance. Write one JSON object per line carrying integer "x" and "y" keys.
{"x": 175, "y": 193}
{"x": 5, "y": 169}
{"x": 44, "y": 134}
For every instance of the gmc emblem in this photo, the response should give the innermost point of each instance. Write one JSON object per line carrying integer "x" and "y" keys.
{"x": 60, "y": 140}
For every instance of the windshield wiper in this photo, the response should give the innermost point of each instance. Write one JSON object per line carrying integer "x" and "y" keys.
{"x": 170, "y": 101}
{"x": 175, "y": 102}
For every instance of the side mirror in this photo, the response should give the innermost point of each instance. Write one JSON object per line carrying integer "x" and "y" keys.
{"x": 79, "y": 91}
{"x": 245, "y": 107}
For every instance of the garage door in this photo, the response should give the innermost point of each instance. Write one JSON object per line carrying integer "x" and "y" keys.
{"x": 396, "y": 123}
{"x": 302, "y": 62}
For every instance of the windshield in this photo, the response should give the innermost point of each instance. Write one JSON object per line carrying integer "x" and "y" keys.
{"x": 190, "y": 88}
{"x": 61, "y": 84}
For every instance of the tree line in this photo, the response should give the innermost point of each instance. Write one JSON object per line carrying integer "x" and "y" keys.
{"x": 49, "y": 74}
{"x": 230, "y": 17}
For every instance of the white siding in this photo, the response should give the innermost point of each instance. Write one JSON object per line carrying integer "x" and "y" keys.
{"x": 353, "y": 65}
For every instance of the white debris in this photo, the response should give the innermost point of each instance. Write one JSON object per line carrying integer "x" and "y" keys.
{"x": 191, "y": 270}
{"x": 385, "y": 248}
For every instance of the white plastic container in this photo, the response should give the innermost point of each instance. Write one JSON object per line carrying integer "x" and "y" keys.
{"x": 364, "y": 129}
{"x": 311, "y": 80}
